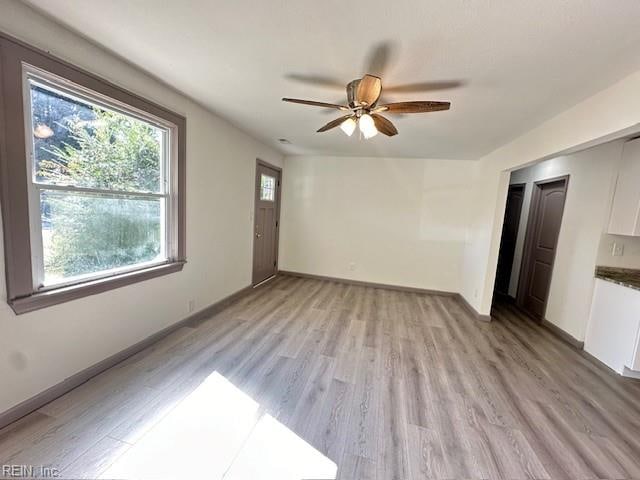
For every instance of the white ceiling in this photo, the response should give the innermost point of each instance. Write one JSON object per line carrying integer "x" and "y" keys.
{"x": 519, "y": 62}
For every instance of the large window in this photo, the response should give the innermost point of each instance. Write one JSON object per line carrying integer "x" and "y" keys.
{"x": 98, "y": 196}
{"x": 103, "y": 175}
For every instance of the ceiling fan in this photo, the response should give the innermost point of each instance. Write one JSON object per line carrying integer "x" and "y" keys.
{"x": 363, "y": 109}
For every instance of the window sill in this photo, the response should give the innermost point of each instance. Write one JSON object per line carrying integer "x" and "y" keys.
{"x": 65, "y": 294}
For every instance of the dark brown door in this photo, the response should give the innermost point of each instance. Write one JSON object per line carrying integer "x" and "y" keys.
{"x": 545, "y": 219}
{"x": 512, "y": 212}
{"x": 266, "y": 222}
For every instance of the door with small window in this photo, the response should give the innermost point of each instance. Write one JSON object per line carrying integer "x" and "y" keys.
{"x": 266, "y": 222}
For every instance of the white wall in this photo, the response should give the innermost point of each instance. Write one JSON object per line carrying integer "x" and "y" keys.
{"x": 399, "y": 221}
{"x": 40, "y": 349}
{"x": 586, "y": 213}
{"x": 610, "y": 114}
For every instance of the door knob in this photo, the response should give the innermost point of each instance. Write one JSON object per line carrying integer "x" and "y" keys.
{"x": 258, "y": 235}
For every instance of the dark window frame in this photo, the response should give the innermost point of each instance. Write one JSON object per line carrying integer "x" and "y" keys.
{"x": 14, "y": 181}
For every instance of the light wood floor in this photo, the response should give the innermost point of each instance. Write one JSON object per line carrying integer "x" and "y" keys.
{"x": 305, "y": 374}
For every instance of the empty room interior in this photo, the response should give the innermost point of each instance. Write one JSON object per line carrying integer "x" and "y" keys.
{"x": 300, "y": 240}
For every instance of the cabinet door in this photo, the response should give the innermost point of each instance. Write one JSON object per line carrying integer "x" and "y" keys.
{"x": 613, "y": 325}
{"x": 635, "y": 360}
{"x": 625, "y": 212}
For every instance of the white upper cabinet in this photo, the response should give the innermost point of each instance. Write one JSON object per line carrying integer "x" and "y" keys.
{"x": 625, "y": 212}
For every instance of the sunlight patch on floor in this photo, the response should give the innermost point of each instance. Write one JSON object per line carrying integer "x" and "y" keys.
{"x": 273, "y": 452}
{"x": 220, "y": 432}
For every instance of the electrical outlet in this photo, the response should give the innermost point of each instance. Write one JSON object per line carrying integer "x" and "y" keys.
{"x": 352, "y": 266}
{"x": 192, "y": 305}
{"x": 617, "y": 249}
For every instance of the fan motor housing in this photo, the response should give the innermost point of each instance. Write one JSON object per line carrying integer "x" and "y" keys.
{"x": 352, "y": 88}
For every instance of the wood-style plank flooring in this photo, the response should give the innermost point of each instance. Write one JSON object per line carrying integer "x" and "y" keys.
{"x": 305, "y": 378}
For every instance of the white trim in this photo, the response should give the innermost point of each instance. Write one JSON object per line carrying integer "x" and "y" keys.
{"x": 171, "y": 186}
{"x": 268, "y": 279}
{"x": 35, "y": 225}
{"x": 78, "y": 280}
{"x": 83, "y": 94}
{"x": 97, "y": 191}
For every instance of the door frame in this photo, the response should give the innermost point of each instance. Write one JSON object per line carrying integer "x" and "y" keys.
{"x": 256, "y": 190}
{"x": 512, "y": 186}
{"x": 525, "y": 265}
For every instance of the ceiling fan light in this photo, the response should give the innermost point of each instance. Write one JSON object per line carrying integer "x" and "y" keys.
{"x": 348, "y": 126}
{"x": 367, "y": 126}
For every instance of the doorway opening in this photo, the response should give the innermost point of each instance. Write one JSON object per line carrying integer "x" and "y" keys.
{"x": 530, "y": 232}
{"x": 266, "y": 220}
{"x": 510, "y": 227}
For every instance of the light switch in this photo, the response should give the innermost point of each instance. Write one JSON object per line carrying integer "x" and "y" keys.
{"x": 617, "y": 250}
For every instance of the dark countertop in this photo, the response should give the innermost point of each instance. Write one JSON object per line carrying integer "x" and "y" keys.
{"x": 627, "y": 277}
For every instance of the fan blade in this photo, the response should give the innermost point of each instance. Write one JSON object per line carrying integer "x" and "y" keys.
{"x": 317, "y": 80}
{"x": 334, "y": 123}
{"x": 424, "y": 86}
{"x": 383, "y": 125}
{"x": 379, "y": 57}
{"x": 369, "y": 89}
{"x": 316, "y": 104}
{"x": 413, "y": 107}
{"x": 327, "y": 111}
